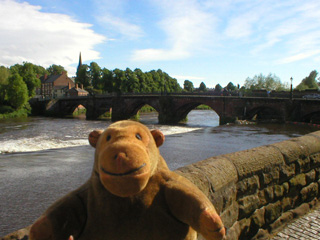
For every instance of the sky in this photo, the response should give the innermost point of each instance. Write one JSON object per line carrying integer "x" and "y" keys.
{"x": 210, "y": 41}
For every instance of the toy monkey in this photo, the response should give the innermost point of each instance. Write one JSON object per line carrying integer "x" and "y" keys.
{"x": 131, "y": 195}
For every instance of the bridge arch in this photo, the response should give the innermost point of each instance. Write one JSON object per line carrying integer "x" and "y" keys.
{"x": 138, "y": 106}
{"x": 313, "y": 117}
{"x": 184, "y": 110}
{"x": 69, "y": 108}
{"x": 264, "y": 113}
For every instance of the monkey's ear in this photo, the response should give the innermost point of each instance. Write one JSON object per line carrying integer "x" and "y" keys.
{"x": 158, "y": 137}
{"x": 93, "y": 137}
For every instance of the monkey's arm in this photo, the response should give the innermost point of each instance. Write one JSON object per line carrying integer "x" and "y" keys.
{"x": 188, "y": 204}
{"x": 64, "y": 218}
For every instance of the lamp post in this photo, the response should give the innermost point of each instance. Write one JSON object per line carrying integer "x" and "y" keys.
{"x": 291, "y": 92}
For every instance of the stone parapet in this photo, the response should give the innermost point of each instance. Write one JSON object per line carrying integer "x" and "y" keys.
{"x": 258, "y": 191}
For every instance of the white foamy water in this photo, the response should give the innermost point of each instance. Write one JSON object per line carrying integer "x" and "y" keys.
{"x": 45, "y": 142}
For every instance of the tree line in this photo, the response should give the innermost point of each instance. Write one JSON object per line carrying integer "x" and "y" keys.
{"x": 19, "y": 82}
{"x": 102, "y": 80}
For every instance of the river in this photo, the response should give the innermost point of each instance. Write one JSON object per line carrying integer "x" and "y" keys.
{"x": 41, "y": 159}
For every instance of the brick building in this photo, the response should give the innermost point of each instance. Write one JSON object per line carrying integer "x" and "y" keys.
{"x": 54, "y": 86}
{"x": 77, "y": 91}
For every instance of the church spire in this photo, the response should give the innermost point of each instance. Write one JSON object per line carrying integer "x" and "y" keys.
{"x": 80, "y": 61}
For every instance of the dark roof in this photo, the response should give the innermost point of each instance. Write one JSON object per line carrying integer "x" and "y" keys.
{"x": 79, "y": 90}
{"x": 52, "y": 78}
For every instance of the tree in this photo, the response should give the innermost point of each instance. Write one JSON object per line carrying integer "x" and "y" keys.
{"x": 218, "y": 88}
{"x": 30, "y": 74}
{"x": 107, "y": 80}
{"x": 17, "y": 91}
{"x": 202, "y": 87}
{"x": 82, "y": 76}
{"x": 188, "y": 86}
{"x": 231, "y": 87}
{"x": 132, "y": 81}
{"x": 4, "y": 75}
{"x": 309, "y": 82}
{"x": 95, "y": 75}
{"x": 55, "y": 69}
{"x": 269, "y": 83}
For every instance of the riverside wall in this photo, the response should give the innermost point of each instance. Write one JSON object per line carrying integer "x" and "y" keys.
{"x": 257, "y": 191}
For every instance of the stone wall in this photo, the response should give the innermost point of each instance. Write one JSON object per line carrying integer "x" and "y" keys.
{"x": 258, "y": 191}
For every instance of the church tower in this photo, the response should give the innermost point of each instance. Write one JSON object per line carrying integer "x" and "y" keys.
{"x": 80, "y": 61}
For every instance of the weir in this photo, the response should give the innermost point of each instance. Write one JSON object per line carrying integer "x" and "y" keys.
{"x": 256, "y": 191}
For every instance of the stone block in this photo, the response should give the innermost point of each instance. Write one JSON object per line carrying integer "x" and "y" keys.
{"x": 278, "y": 191}
{"x": 297, "y": 183}
{"x": 244, "y": 226}
{"x": 248, "y": 205}
{"x": 218, "y": 170}
{"x": 286, "y": 204}
{"x": 233, "y": 232}
{"x": 248, "y": 186}
{"x": 311, "y": 176}
{"x": 273, "y": 211}
{"x": 272, "y": 176}
{"x": 281, "y": 222}
{"x": 262, "y": 234}
{"x": 301, "y": 210}
{"x": 216, "y": 178}
{"x": 262, "y": 198}
{"x": 315, "y": 160}
{"x": 303, "y": 165}
{"x": 311, "y": 142}
{"x": 230, "y": 215}
{"x": 286, "y": 172}
{"x": 269, "y": 194}
{"x": 258, "y": 218}
{"x": 309, "y": 192}
{"x": 256, "y": 160}
{"x": 286, "y": 188}
{"x": 292, "y": 150}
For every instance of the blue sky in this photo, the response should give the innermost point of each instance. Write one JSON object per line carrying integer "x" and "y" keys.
{"x": 206, "y": 41}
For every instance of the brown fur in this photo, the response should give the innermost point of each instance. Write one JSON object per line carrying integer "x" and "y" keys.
{"x": 131, "y": 195}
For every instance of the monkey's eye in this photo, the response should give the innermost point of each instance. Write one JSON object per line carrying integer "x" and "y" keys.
{"x": 108, "y": 138}
{"x": 138, "y": 136}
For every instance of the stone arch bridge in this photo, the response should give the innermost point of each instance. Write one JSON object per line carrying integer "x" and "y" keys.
{"x": 174, "y": 108}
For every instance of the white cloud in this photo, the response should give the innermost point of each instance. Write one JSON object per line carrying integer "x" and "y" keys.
{"x": 28, "y": 34}
{"x": 299, "y": 56}
{"x": 112, "y": 15}
{"x": 187, "y": 27}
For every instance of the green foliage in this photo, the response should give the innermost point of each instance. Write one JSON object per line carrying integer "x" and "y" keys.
{"x": 95, "y": 75}
{"x": 231, "y": 86}
{"x": 309, "y": 82}
{"x": 30, "y": 74}
{"x": 17, "y": 91}
{"x": 203, "y": 87}
{"x": 269, "y": 83}
{"x": 218, "y": 88}
{"x": 55, "y": 69}
{"x": 203, "y": 107}
{"x": 22, "y": 112}
{"x": 4, "y": 74}
{"x": 188, "y": 85}
{"x": 82, "y": 76}
{"x": 4, "y": 109}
